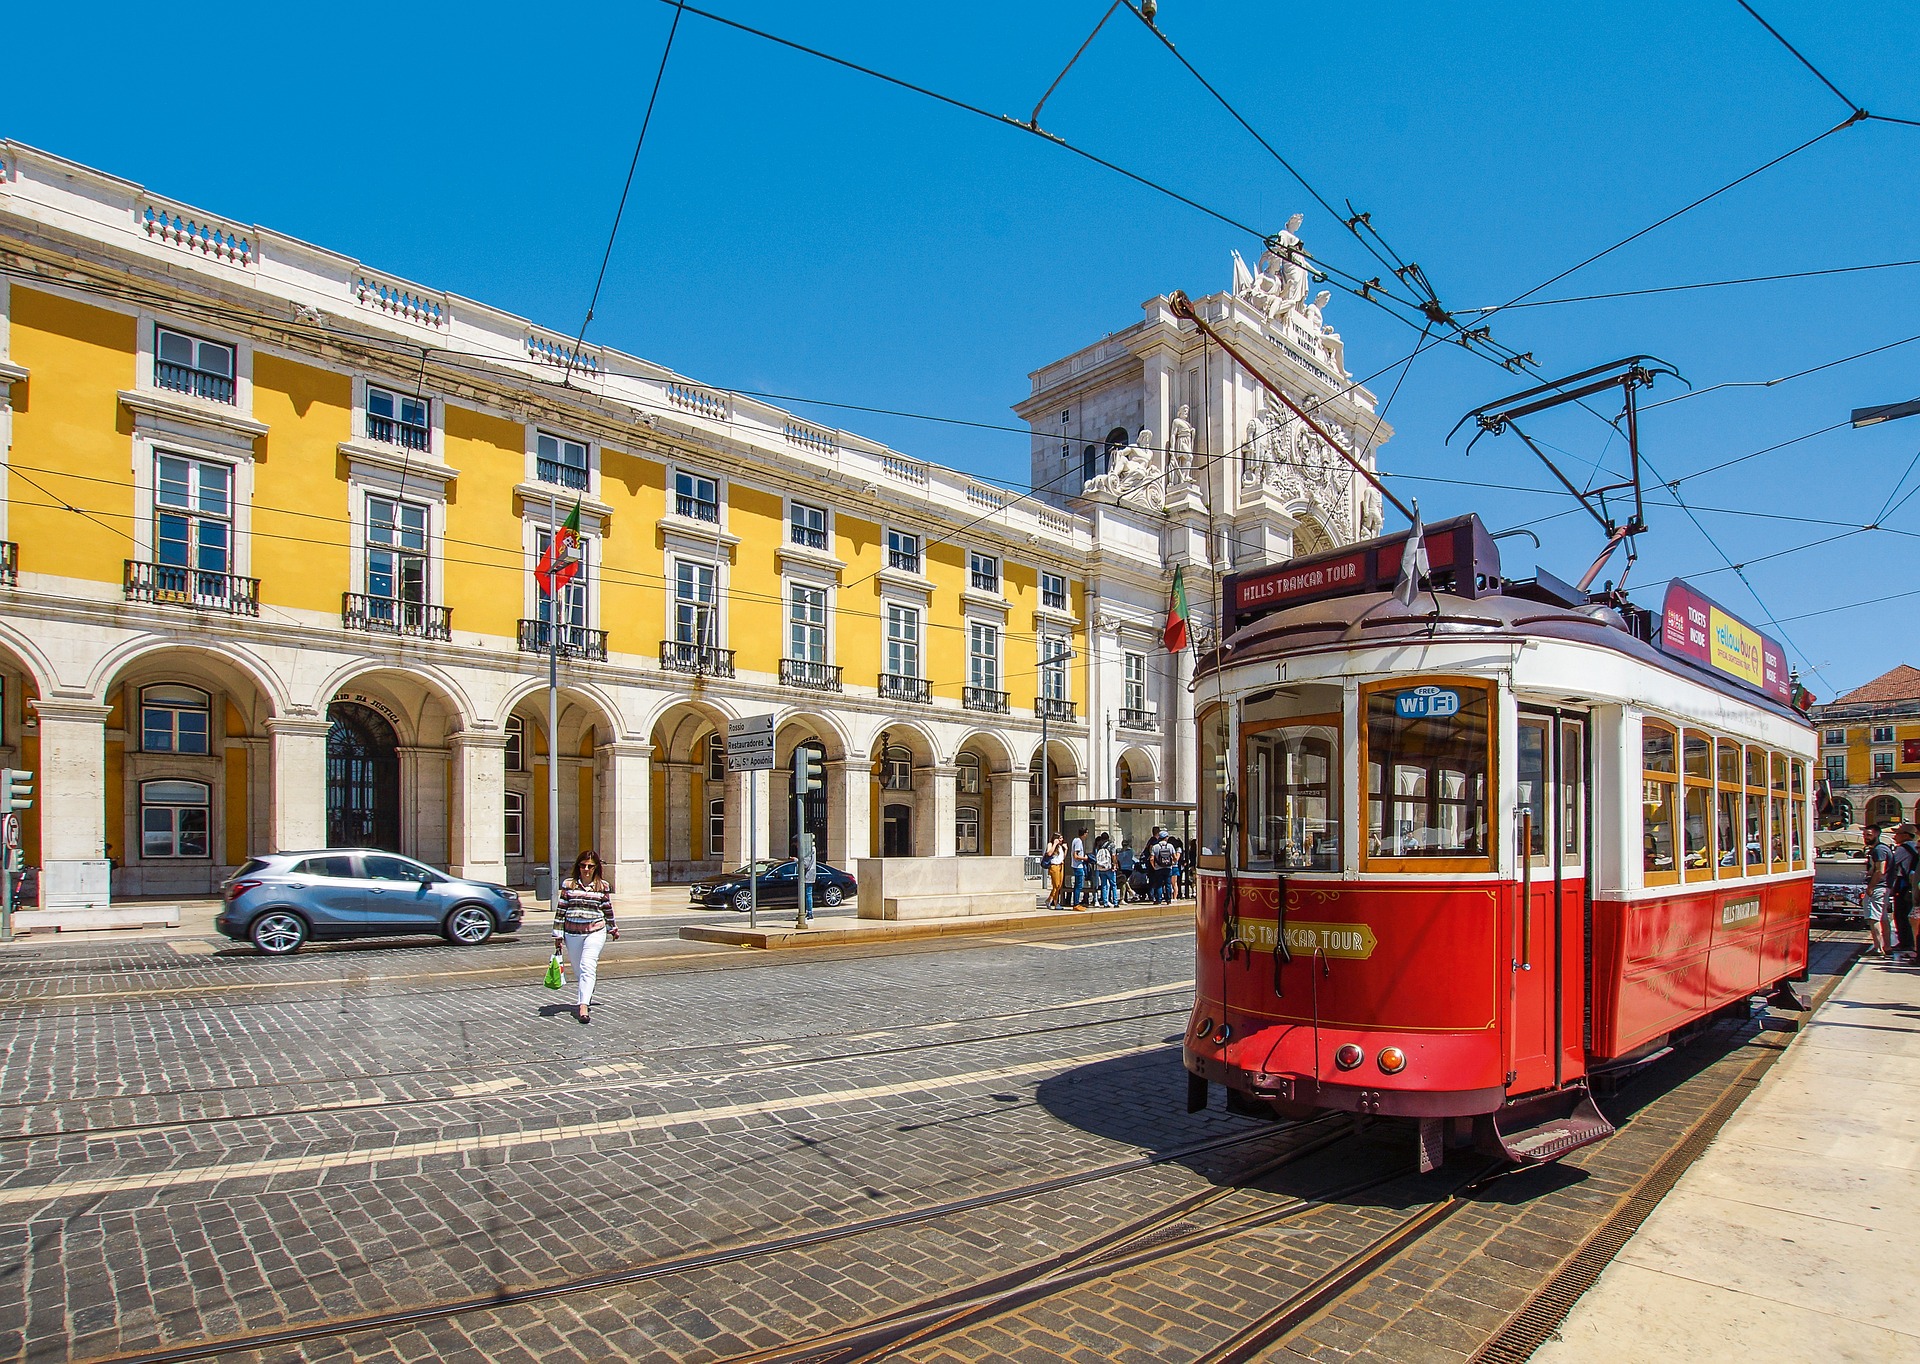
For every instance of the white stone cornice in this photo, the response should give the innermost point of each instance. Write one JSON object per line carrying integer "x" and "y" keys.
{"x": 72, "y": 709}
{"x": 468, "y": 738}
{"x": 985, "y": 601}
{"x": 193, "y": 411}
{"x": 537, "y": 502}
{"x": 393, "y": 459}
{"x": 683, "y": 532}
{"x": 11, "y": 373}
{"x": 907, "y": 583}
{"x": 809, "y": 562}
{"x": 1047, "y": 615}
{"x": 299, "y": 726}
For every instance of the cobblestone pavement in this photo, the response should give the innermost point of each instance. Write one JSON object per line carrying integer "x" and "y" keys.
{"x": 756, "y": 1150}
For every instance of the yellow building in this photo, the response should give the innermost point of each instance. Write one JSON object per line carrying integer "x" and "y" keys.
{"x": 271, "y": 525}
{"x": 1870, "y": 752}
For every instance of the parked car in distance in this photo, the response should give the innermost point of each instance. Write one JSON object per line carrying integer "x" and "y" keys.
{"x": 779, "y": 884}
{"x": 281, "y": 900}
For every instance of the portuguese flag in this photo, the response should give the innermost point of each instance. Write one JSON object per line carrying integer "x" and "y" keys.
{"x": 558, "y": 565}
{"x": 1176, "y": 631}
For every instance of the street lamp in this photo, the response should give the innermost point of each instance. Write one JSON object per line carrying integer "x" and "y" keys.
{"x": 1886, "y": 412}
{"x": 1047, "y": 660}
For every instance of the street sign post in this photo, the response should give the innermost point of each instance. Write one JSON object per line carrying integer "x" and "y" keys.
{"x": 750, "y": 750}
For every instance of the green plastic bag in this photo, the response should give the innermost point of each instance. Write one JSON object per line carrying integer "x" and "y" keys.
{"x": 555, "y": 976}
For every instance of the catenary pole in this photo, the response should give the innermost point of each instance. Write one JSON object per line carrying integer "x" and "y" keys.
{"x": 553, "y": 715}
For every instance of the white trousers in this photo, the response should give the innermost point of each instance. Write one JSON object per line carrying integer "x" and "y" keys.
{"x": 583, "y": 959}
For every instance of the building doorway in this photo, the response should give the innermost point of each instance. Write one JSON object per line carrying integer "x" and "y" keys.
{"x": 363, "y": 779}
{"x": 896, "y": 831}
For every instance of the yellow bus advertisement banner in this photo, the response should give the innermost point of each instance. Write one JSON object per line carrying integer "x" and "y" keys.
{"x": 1736, "y": 648}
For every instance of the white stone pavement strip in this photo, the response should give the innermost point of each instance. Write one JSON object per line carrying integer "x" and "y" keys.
{"x": 480, "y": 1087}
{"x": 285, "y": 1165}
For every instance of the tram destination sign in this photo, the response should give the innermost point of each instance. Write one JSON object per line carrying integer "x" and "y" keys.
{"x": 1461, "y": 556}
{"x": 1703, "y": 632}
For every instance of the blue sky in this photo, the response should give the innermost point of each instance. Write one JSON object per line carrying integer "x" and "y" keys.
{"x": 799, "y": 229}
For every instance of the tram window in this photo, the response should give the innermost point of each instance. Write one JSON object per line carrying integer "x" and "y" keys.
{"x": 1797, "y": 813}
{"x": 1696, "y": 805}
{"x": 1777, "y": 813}
{"x": 1213, "y": 780}
{"x": 1535, "y": 778}
{"x": 1292, "y": 793}
{"x": 1727, "y": 824}
{"x": 1427, "y": 777}
{"x": 1572, "y": 790}
{"x": 1658, "y": 770}
{"x": 1756, "y": 824}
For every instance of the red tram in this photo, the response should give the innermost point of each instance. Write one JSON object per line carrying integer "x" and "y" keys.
{"x": 1456, "y": 857}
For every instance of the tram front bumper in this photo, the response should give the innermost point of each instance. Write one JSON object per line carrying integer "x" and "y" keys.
{"x": 1298, "y": 1092}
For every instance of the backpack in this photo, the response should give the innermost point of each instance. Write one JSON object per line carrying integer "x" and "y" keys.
{"x": 1901, "y": 863}
{"x": 1163, "y": 854}
{"x": 1103, "y": 858}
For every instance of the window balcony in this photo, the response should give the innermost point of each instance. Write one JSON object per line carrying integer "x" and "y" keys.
{"x": 903, "y": 560}
{"x": 807, "y": 537}
{"x": 168, "y": 585}
{"x": 198, "y": 382}
{"x": 984, "y": 582}
{"x": 386, "y": 616}
{"x": 1139, "y": 719}
{"x": 391, "y": 432}
{"x": 984, "y": 698}
{"x": 1053, "y": 708}
{"x": 895, "y": 687}
{"x": 702, "y": 660}
{"x": 574, "y": 641}
{"x": 696, "y": 508}
{"x": 9, "y": 564}
{"x": 799, "y": 672}
{"x": 561, "y": 475}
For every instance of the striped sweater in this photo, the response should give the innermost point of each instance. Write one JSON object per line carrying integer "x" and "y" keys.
{"x": 583, "y": 908}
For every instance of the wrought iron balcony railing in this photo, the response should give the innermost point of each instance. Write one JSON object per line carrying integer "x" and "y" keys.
{"x": 574, "y": 641}
{"x": 562, "y": 475}
{"x": 198, "y": 382}
{"x": 904, "y": 560}
{"x": 703, "y": 660}
{"x": 798, "y": 672}
{"x": 9, "y": 563}
{"x": 895, "y": 687}
{"x": 984, "y": 698}
{"x": 1053, "y": 708}
{"x": 197, "y": 588}
{"x": 696, "y": 508}
{"x": 391, "y": 432}
{"x": 386, "y": 616}
{"x": 1139, "y": 719}
{"x": 808, "y": 537}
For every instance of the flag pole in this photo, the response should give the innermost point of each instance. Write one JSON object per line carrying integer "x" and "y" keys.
{"x": 553, "y": 714}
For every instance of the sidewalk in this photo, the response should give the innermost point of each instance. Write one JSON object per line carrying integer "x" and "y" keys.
{"x": 1792, "y": 1237}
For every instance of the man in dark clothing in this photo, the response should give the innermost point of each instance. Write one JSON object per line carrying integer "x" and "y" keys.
{"x": 1903, "y": 870}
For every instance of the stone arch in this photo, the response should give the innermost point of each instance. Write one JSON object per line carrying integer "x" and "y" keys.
{"x": 119, "y": 662}
{"x": 693, "y": 809}
{"x": 35, "y": 667}
{"x": 587, "y": 751}
{"x": 1068, "y": 772}
{"x": 989, "y": 801}
{"x": 1883, "y": 810}
{"x": 1310, "y": 536}
{"x": 1142, "y": 774}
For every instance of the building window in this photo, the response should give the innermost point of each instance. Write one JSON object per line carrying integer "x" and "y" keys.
{"x": 967, "y": 781}
{"x": 1836, "y": 769}
{"x": 903, "y": 551}
{"x": 716, "y": 829}
{"x": 983, "y": 571}
{"x": 696, "y": 498}
{"x": 807, "y": 624}
{"x": 193, "y": 515}
{"x": 396, "y": 419}
{"x": 1883, "y": 734}
{"x": 903, "y": 641}
{"x": 174, "y": 819}
{"x": 186, "y": 364}
{"x": 896, "y": 768}
{"x": 1053, "y": 669}
{"x": 1837, "y": 737}
{"x": 983, "y": 655}
{"x": 807, "y": 526}
{"x": 693, "y": 603}
{"x": 966, "y": 829}
{"x": 1883, "y": 763}
{"x": 175, "y": 719}
{"x": 559, "y": 460}
{"x": 396, "y": 554}
{"x": 516, "y": 824}
{"x": 572, "y": 611}
{"x": 716, "y": 758}
{"x": 1053, "y": 591}
{"x": 516, "y": 744}
{"x": 1134, "y": 682}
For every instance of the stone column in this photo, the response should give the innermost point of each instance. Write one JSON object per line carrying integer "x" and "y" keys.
{"x": 1011, "y": 799}
{"x": 626, "y": 817}
{"x": 423, "y": 803}
{"x": 682, "y": 820}
{"x": 71, "y": 795}
{"x": 259, "y": 793}
{"x": 478, "y": 833}
{"x": 943, "y": 799}
{"x": 849, "y": 812}
{"x": 743, "y": 814}
{"x": 298, "y": 819}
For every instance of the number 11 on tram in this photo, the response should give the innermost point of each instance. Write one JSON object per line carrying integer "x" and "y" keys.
{"x": 1457, "y": 857}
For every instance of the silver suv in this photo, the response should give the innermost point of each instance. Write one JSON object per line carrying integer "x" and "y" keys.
{"x": 279, "y": 901}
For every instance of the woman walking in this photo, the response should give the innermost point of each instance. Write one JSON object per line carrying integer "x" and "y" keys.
{"x": 582, "y": 924}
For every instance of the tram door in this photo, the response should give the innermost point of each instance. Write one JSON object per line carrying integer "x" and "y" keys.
{"x": 1547, "y": 939}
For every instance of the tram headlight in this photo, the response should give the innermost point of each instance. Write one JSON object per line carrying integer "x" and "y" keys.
{"x": 1392, "y": 1060}
{"x": 1348, "y": 1057}
{"x": 1221, "y": 1034}
{"x": 1206, "y": 1026}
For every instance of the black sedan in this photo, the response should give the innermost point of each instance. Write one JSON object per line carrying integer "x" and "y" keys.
{"x": 779, "y": 884}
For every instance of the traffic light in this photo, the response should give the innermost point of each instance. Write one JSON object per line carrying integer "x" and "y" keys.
{"x": 16, "y": 790}
{"x": 809, "y": 771}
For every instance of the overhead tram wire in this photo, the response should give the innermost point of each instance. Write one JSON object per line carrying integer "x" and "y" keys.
{"x": 626, "y": 189}
{"x": 1860, "y": 110}
{"x": 1701, "y": 284}
{"x": 1785, "y": 378}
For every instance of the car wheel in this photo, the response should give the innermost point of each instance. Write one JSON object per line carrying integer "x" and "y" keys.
{"x": 831, "y": 895}
{"x": 278, "y": 932}
{"x": 742, "y": 901}
{"x": 468, "y": 926}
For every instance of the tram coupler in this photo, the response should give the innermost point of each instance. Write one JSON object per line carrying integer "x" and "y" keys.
{"x": 1196, "y": 1093}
